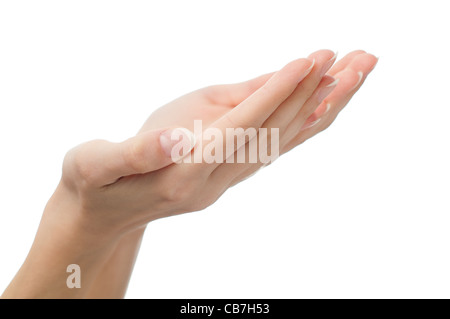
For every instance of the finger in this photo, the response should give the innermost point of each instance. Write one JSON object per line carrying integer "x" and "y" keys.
{"x": 348, "y": 79}
{"x": 325, "y": 87}
{"x": 350, "y": 82}
{"x": 342, "y": 63}
{"x": 249, "y": 115}
{"x": 253, "y": 111}
{"x": 292, "y": 105}
{"x": 278, "y": 120}
{"x": 362, "y": 65}
{"x": 99, "y": 163}
{"x": 233, "y": 94}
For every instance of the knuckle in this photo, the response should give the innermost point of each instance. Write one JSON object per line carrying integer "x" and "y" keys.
{"x": 182, "y": 192}
{"x": 204, "y": 202}
{"x": 211, "y": 92}
{"x": 134, "y": 155}
{"x": 76, "y": 164}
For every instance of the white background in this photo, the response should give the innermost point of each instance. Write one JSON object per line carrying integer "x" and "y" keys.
{"x": 362, "y": 210}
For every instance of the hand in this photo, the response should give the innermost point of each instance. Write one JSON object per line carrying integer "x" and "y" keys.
{"x": 110, "y": 189}
{"x": 126, "y": 185}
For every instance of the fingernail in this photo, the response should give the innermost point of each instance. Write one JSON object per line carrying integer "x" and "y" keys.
{"x": 360, "y": 74}
{"x": 305, "y": 74}
{"x": 177, "y": 143}
{"x": 323, "y": 93}
{"x": 311, "y": 124}
{"x": 328, "y": 108}
{"x": 328, "y": 65}
{"x": 333, "y": 84}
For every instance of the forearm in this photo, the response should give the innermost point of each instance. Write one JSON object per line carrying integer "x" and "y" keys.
{"x": 61, "y": 240}
{"x": 114, "y": 275}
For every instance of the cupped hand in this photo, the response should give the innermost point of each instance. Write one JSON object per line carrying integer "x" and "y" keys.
{"x": 121, "y": 186}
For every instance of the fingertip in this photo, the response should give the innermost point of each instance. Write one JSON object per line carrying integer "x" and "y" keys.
{"x": 299, "y": 69}
{"x": 325, "y": 53}
{"x": 345, "y": 61}
{"x": 349, "y": 79}
{"x": 363, "y": 63}
{"x": 325, "y": 60}
{"x": 356, "y": 52}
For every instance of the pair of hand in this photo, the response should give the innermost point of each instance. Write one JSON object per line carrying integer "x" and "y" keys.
{"x": 118, "y": 187}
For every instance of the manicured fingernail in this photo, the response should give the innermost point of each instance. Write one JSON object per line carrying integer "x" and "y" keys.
{"x": 311, "y": 124}
{"x": 328, "y": 108}
{"x": 323, "y": 93}
{"x": 360, "y": 74}
{"x": 311, "y": 67}
{"x": 333, "y": 84}
{"x": 328, "y": 65}
{"x": 177, "y": 143}
{"x": 305, "y": 74}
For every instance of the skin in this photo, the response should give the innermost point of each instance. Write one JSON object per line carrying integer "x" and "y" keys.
{"x": 109, "y": 192}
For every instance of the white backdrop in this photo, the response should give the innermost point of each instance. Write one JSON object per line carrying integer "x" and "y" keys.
{"x": 362, "y": 210}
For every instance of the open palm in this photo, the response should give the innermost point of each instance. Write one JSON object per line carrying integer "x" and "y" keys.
{"x": 211, "y": 103}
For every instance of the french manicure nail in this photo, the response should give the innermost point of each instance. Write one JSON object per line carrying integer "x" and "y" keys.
{"x": 333, "y": 84}
{"x": 311, "y": 124}
{"x": 360, "y": 74}
{"x": 323, "y": 93}
{"x": 328, "y": 65}
{"x": 305, "y": 74}
{"x": 177, "y": 143}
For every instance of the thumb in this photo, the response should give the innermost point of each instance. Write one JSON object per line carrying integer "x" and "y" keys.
{"x": 101, "y": 162}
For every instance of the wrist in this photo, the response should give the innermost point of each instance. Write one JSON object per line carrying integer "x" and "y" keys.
{"x": 65, "y": 218}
